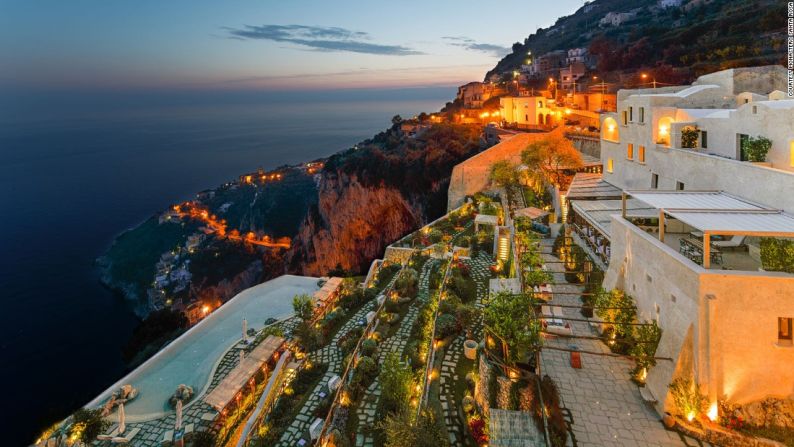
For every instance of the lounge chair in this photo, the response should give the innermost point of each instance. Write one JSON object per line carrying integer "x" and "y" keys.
{"x": 188, "y": 431}
{"x": 734, "y": 242}
{"x": 110, "y": 435}
{"x": 127, "y": 437}
{"x": 168, "y": 437}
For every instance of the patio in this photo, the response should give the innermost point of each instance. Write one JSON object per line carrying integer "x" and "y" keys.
{"x": 712, "y": 229}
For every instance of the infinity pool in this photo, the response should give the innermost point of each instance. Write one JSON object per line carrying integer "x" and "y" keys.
{"x": 191, "y": 358}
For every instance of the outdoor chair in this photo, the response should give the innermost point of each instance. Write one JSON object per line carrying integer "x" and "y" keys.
{"x": 114, "y": 430}
{"x": 732, "y": 243}
{"x": 168, "y": 438}
{"x": 127, "y": 437}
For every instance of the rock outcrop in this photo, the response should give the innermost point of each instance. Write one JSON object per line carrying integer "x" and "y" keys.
{"x": 768, "y": 413}
{"x": 351, "y": 225}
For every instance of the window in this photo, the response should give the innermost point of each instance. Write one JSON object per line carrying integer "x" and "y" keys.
{"x": 755, "y": 110}
{"x": 791, "y": 153}
{"x": 631, "y": 114}
{"x": 679, "y": 186}
{"x": 624, "y": 117}
{"x": 610, "y": 165}
{"x": 784, "y": 333}
{"x": 704, "y": 139}
{"x": 540, "y": 104}
{"x": 654, "y": 181}
{"x": 642, "y": 114}
{"x": 630, "y": 151}
{"x": 641, "y": 154}
{"x": 526, "y": 118}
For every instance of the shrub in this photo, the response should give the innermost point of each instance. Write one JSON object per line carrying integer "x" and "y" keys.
{"x": 515, "y": 394}
{"x": 777, "y": 255}
{"x": 446, "y": 325}
{"x": 756, "y": 148}
{"x": 465, "y": 316}
{"x": 465, "y": 288}
{"x": 551, "y": 397}
{"x": 365, "y": 372}
{"x": 435, "y": 236}
{"x": 689, "y": 137}
{"x": 686, "y": 396}
{"x": 408, "y": 282}
{"x": 395, "y": 379}
{"x": 368, "y": 347}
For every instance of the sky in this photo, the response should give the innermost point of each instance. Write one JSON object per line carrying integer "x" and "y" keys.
{"x": 260, "y": 45}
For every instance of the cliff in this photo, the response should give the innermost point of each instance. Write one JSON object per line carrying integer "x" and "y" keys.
{"x": 351, "y": 225}
{"x": 374, "y": 194}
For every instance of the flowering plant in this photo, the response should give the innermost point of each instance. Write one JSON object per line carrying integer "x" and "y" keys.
{"x": 478, "y": 430}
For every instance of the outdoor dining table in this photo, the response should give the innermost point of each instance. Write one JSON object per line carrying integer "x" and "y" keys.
{"x": 697, "y": 246}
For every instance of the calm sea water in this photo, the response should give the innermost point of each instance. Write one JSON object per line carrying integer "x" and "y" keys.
{"x": 78, "y": 168}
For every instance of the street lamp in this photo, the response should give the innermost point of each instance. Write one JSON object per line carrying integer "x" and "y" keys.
{"x": 645, "y": 76}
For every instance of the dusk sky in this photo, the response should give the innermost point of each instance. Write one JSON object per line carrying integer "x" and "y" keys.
{"x": 198, "y": 44}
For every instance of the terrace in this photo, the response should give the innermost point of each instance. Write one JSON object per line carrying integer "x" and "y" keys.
{"x": 713, "y": 229}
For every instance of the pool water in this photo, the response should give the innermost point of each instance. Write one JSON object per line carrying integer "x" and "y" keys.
{"x": 191, "y": 358}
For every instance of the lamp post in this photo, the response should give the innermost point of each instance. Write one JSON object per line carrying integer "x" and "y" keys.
{"x": 645, "y": 76}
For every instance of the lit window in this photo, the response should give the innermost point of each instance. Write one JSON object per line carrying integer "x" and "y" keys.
{"x": 610, "y": 165}
{"x": 791, "y": 152}
{"x": 625, "y": 117}
{"x": 641, "y": 154}
{"x": 630, "y": 151}
{"x": 784, "y": 332}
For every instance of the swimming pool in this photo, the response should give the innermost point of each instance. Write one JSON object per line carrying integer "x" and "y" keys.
{"x": 191, "y": 358}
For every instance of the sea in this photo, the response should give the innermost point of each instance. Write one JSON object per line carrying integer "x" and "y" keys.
{"x": 79, "y": 167}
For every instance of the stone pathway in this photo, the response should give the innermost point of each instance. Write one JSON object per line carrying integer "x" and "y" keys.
{"x": 605, "y": 406}
{"x": 368, "y": 404}
{"x": 332, "y": 356}
{"x": 480, "y": 272}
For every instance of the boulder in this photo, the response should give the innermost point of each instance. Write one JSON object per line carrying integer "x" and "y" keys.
{"x": 183, "y": 392}
{"x": 768, "y": 412}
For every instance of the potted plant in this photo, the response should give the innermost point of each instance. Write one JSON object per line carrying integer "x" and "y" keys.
{"x": 755, "y": 150}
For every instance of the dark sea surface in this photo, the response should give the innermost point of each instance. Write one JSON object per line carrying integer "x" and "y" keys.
{"x": 77, "y": 168}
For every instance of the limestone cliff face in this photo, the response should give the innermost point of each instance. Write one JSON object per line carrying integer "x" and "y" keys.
{"x": 352, "y": 224}
{"x": 229, "y": 287}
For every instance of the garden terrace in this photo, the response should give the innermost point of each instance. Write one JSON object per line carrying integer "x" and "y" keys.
{"x": 305, "y": 394}
{"x": 452, "y": 228}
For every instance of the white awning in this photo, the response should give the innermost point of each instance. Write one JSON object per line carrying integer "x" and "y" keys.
{"x": 752, "y": 223}
{"x": 694, "y": 200}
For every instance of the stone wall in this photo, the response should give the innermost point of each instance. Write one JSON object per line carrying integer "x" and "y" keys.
{"x": 472, "y": 175}
{"x": 716, "y": 435}
{"x": 527, "y": 394}
{"x": 398, "y": 255}
{"x": 719, "y": 325}
{"x": 587, "y": 145}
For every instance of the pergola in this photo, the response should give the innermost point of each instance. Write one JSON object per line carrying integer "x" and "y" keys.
{"x": 236, "y": 380}
{"x": 715, "y": 213}
{"x": 485, "y": 219}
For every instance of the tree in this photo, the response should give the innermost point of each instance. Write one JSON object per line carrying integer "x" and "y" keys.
{"x": 550, "y": 156}
{"x": 504, "y": 174}
{"x": 508, "y": 318}
{"x": 396, "y": 120}
{"x": 88, "y": 424}
{"x": 395, "y": 380}
{"x": 303, "y": 307}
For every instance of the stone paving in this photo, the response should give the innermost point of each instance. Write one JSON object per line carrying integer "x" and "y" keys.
{"x": 332, "y": 356}
{"x": 604, "y": 405}
{"x": 368, "y": 404}
{"x": 454, "y": 352}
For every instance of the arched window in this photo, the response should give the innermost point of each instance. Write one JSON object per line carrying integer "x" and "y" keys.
{"x": 609, "y": 130}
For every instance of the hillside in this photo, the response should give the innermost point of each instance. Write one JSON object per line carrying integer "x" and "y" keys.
{"x": 697, "y": 37}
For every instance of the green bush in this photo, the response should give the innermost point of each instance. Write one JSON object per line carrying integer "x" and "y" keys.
{"x": 365, "y": 372}
{"x": 777, "y": 255}
{"x": 446, "y": 325}
{"x": 435, "y": 236}
{"x": 689, "y": 137}
{"x": 368, "y": 347}
{"x": 408, "y": 283}
{"x": 755, "y": 149}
